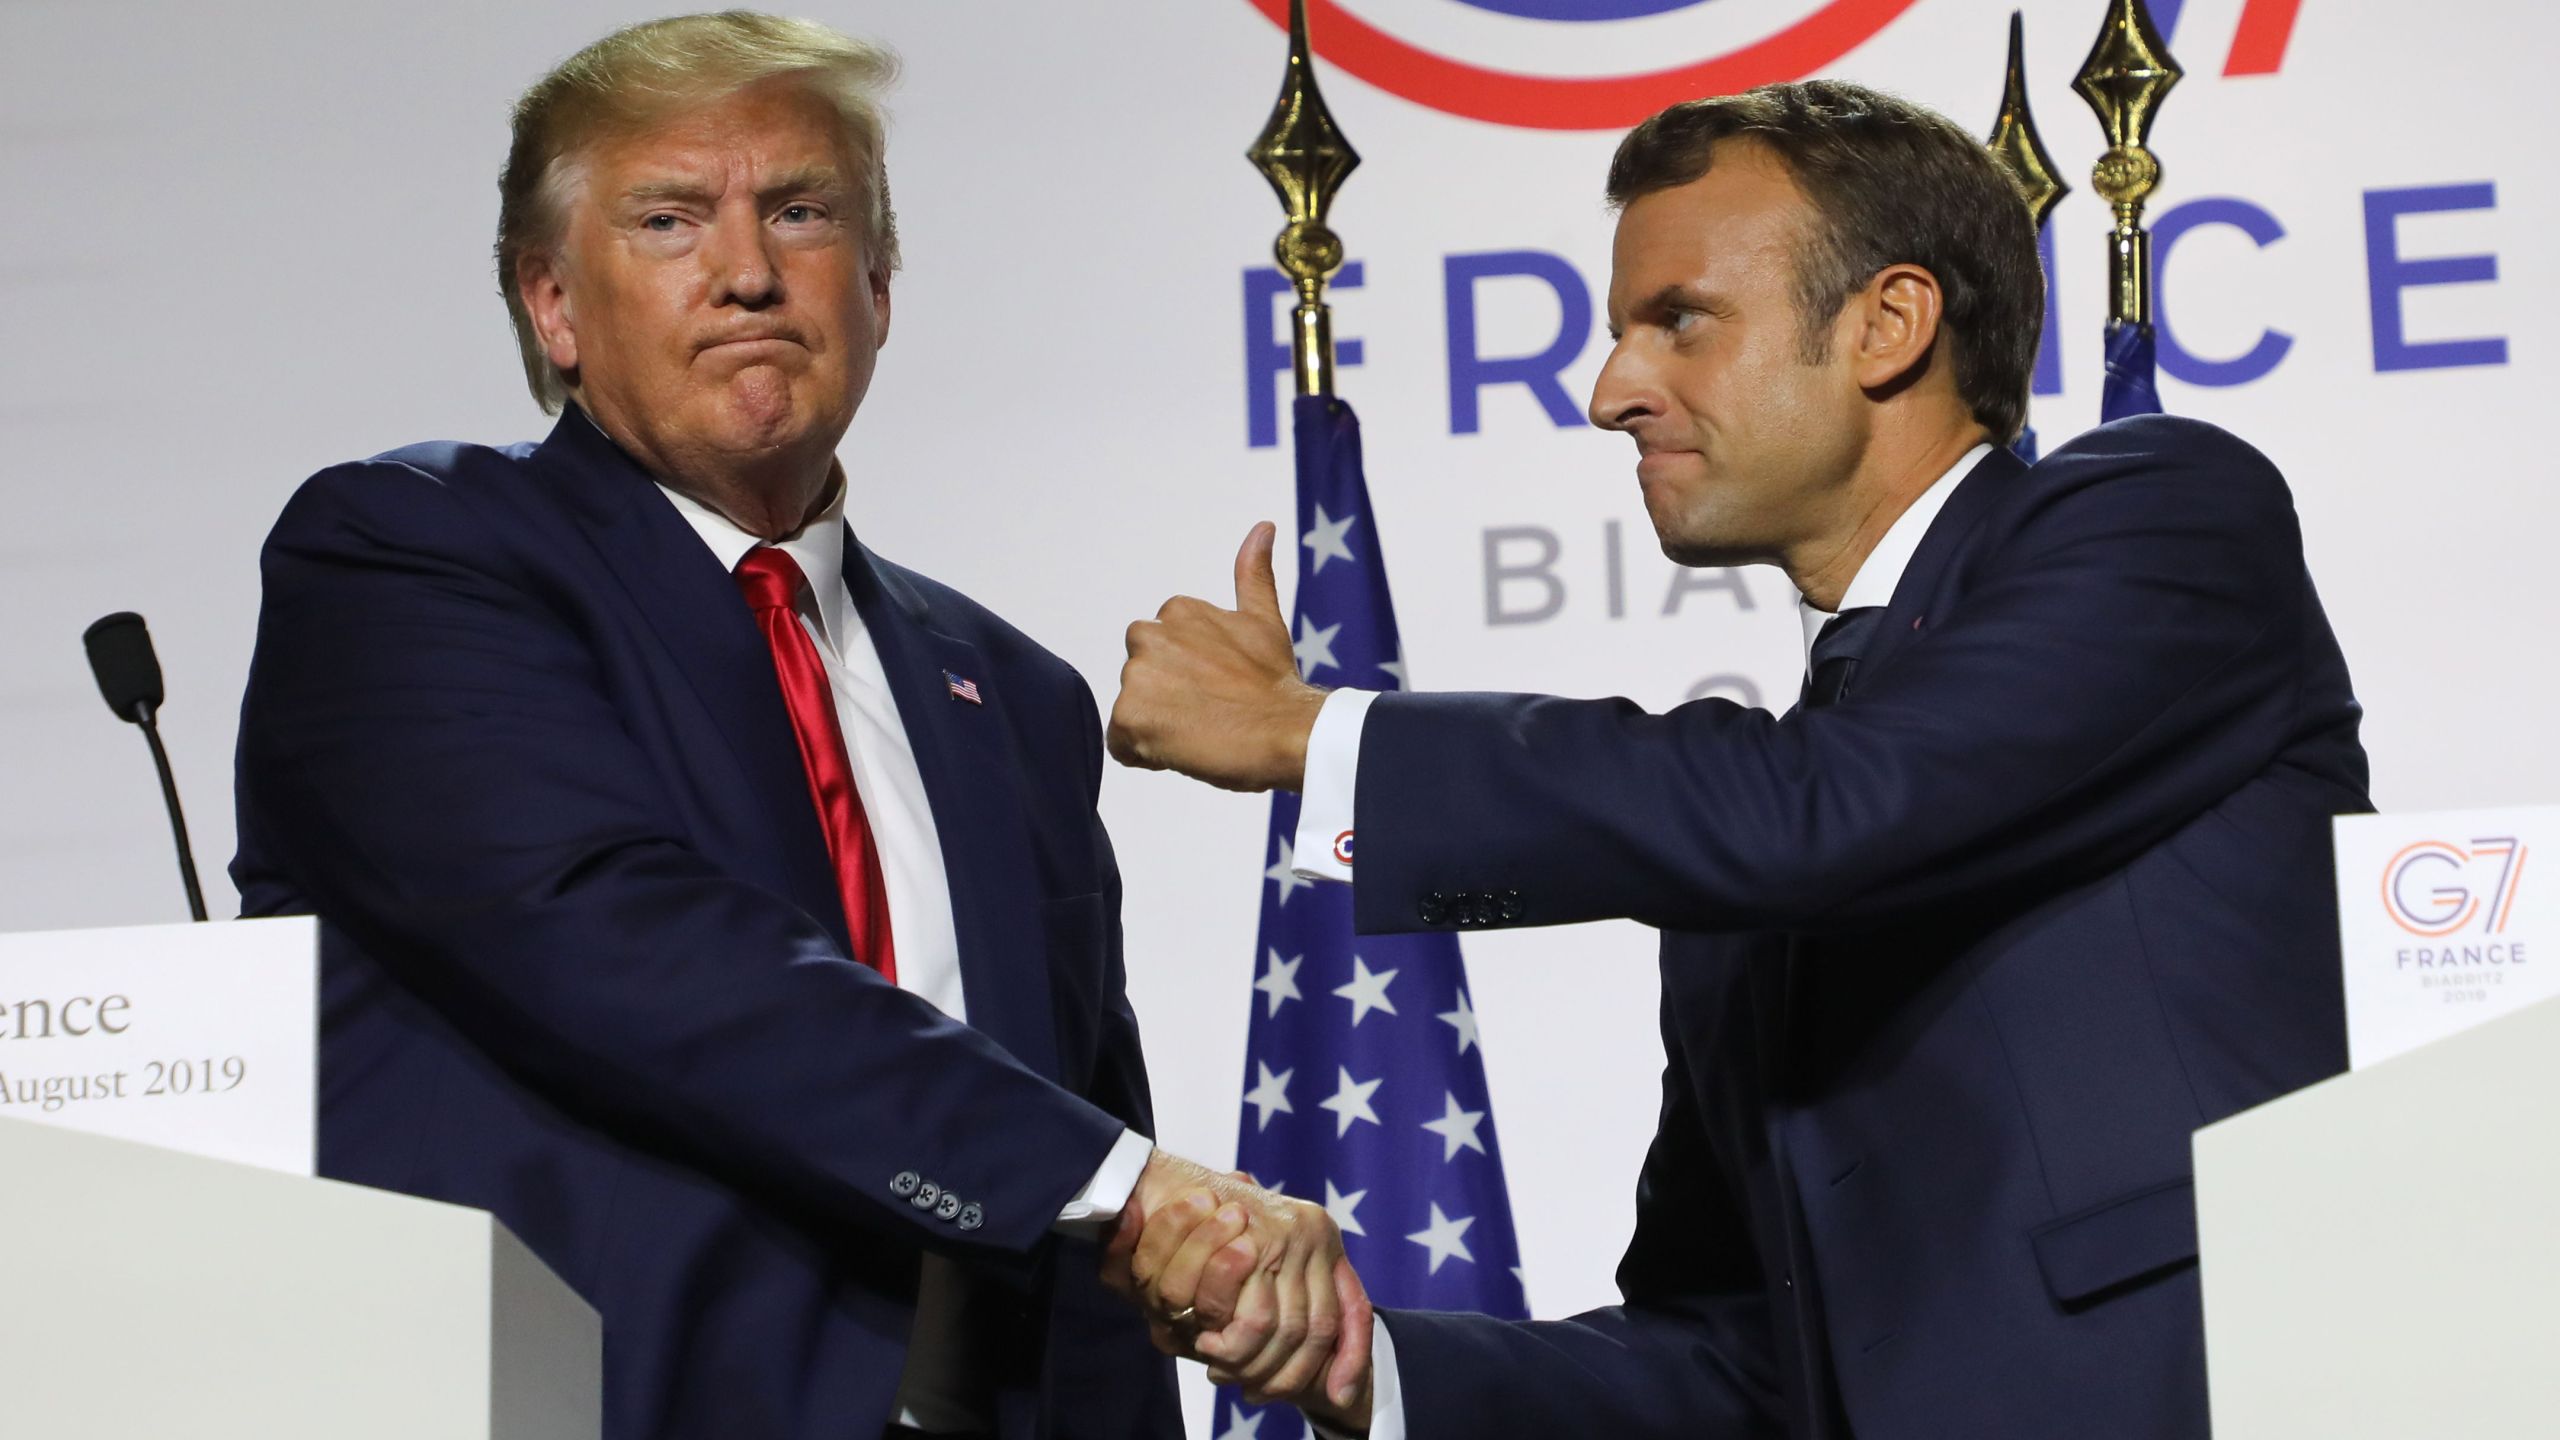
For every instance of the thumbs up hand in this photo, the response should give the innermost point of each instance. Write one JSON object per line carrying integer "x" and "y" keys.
{"x": 1215, "y": 693}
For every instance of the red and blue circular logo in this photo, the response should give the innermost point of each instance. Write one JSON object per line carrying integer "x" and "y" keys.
{"x": 1581, "y": 64}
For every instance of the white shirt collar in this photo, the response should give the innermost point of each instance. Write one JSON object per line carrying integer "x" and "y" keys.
{"x": 1876, "y": 579}
{"x": 817, "y": 548}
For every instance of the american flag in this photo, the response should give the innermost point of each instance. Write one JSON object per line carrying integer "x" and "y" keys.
{"x": 962, "y": 688}
{"x": 1364, "y": 1081}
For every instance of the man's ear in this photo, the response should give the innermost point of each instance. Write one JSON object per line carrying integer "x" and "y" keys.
{"x": 1898, "y": 315}
{"x": 546, "y": 303}
{"x": 879, "y": 280}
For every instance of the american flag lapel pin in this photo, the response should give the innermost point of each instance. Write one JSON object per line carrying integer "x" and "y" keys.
{"x": 963, "y": 688}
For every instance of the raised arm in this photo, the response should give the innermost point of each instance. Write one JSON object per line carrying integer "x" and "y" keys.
{"x": 2128, "y": 652}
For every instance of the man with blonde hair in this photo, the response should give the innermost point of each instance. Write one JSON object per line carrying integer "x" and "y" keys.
{"x": 720, "y": 904}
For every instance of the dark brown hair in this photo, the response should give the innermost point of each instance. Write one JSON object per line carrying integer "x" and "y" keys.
{"x": 1890, "y": 183}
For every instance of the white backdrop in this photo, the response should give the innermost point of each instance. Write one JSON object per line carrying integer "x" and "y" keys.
{"x": 248, "y": 241}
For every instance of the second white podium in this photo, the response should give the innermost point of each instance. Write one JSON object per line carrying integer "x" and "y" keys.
{"x": 2380, "y": 1254}
{"x": 144, "y": 1293}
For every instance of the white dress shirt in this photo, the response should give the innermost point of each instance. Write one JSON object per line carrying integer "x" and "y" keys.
{"x": 1325, "y": 819}
{"x": 941, "y": 1390}
{"x": 1881, "y": 574}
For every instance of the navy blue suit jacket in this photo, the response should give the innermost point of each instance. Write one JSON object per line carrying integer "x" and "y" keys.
{"x": 1951, "y": 970}
{"x": 511, "y": 733}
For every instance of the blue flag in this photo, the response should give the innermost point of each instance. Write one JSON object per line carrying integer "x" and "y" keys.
{"x": 2130, "y": 388}
{"x": 1364, "y": 1085}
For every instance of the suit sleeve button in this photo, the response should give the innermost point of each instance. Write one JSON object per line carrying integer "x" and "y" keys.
{"x": 949, "y": 1209}
{"x": 906, "y": 1183}
{"x": 927, "y": 1197}
{"x": 971, "y": 1217}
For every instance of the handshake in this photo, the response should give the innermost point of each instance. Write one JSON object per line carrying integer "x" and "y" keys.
{"x": 1249, "y": 1282}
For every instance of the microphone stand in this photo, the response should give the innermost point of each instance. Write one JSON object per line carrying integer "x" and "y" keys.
{"x": 144, "y": 716}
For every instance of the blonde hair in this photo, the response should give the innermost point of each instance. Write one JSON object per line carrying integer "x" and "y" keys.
{"x": 638, "y": 76}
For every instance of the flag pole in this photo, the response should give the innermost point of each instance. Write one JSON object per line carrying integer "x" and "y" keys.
{"x": 2127, "y": 74}
{"x": 2014, "y": 138}
{"x": 1404, "y": 1155}
{"x": 1304, "y": 156}
{"x": 2019, "y": 148}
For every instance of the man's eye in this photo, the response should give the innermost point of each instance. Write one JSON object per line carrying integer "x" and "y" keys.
{"x": 799, "y": 214}
{"x": 662, "y": 223}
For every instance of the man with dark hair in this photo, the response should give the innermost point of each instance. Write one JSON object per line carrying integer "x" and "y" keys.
{"x": 1958, "y": 953}
{"x": 1886, "y": 181}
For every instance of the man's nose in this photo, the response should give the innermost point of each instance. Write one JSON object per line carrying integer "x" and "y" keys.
{"x": 741, "y": 258}
{"x": 1624, "y": 395}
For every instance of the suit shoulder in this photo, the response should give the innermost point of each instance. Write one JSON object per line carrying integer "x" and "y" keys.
{"x": 2169, "y": 446}
{"x": 2132, "y": 475}
{"x": 412, "y": 493}
{"x": 2150, "y": 486}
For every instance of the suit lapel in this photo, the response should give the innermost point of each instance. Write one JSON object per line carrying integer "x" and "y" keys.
{"x": 965, "y": 756}
{"x": 693, "y": 610}
{"x": 1990, "y": 477}
{"x": 1781, "y": 981}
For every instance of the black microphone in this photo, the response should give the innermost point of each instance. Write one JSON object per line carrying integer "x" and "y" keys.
{"x": 128, "y": 672}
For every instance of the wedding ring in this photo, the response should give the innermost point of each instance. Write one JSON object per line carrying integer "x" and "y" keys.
{"x": 1184, "y": 1316}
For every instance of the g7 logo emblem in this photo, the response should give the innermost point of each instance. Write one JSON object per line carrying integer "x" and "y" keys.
{"x": 1689, "y": 48}
{"x": 2431, "y": 887}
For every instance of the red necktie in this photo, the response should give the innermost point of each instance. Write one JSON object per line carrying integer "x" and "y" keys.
{"x": 771, "y": 581}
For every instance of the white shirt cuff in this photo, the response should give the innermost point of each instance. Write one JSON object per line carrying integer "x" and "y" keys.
{"x": 1325, "y": 811}
{"x": 1104, "y": 1196}
{"x": 1386, "y": 1392}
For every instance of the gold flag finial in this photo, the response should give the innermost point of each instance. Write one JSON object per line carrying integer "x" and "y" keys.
{"x": 1302, "y": 153}
{"x": 2014, "y": 138}
{"x": 2127, "y": 73}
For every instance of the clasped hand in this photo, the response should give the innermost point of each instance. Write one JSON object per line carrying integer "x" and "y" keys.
{"x": 1251, "y": 1283}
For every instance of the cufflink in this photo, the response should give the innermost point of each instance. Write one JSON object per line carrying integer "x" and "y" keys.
{"x": 927, "y": 1197}
{"x": 906, "y": 1183}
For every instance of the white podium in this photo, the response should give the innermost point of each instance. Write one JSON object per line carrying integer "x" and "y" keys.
{"x": 2381, "y": 1251}
{"x": 148, "y": 1293}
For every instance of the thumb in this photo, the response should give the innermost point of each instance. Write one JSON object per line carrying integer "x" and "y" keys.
{"x": 1257, "y": 594}
{"x": 1349, "y": 1372}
